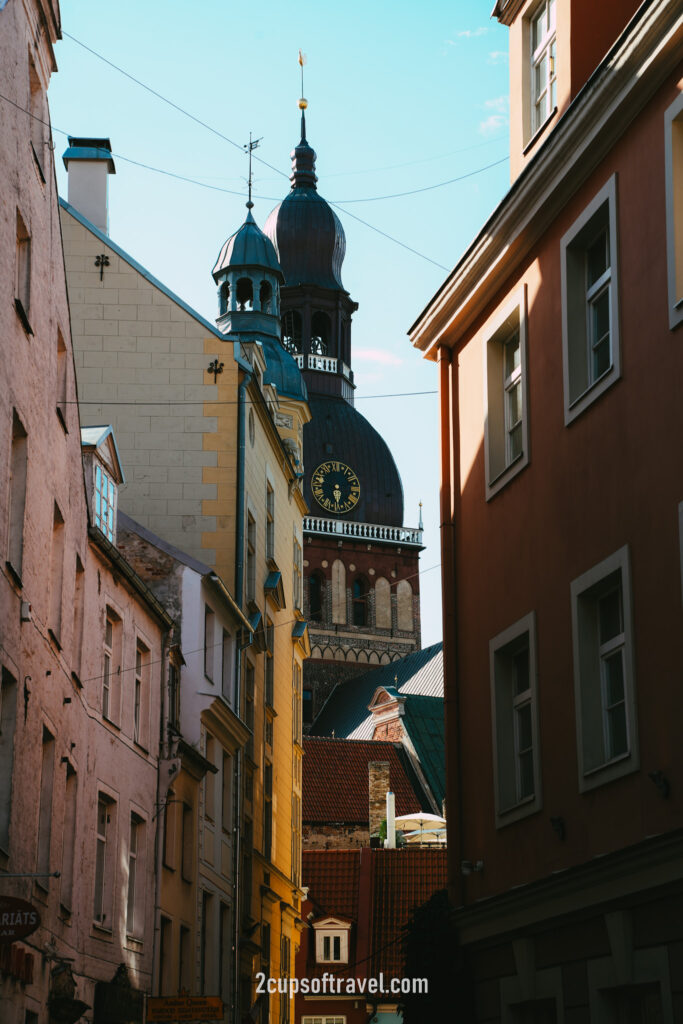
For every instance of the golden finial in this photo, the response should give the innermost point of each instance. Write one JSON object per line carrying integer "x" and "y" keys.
{"x": 303, "y": 103}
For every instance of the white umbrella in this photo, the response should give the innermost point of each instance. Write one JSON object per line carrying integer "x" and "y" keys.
{"x": 420, "y": 821}
{"x": 428, "y": 835}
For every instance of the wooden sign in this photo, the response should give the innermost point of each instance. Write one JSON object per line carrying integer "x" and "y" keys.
{"x": 18, "y": 918}
{"x": 176, "y": 1009}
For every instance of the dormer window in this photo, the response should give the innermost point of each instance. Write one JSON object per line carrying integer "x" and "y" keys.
{"x": 332, "y": 941}
{"x": 105, "y": 503}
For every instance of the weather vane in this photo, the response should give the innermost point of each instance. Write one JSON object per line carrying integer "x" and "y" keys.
{"x": 303, "y": 102}
{"x": 249, "y": 148}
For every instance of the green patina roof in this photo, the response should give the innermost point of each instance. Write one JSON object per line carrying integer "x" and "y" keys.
{"x": 424, "y": 722}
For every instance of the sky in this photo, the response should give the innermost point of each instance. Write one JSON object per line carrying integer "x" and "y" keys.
{"x": 402, "y": 97}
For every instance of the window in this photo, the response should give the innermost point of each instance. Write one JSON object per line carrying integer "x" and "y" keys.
{"x": 184, "y": 960}
{"x": 22, "y": 284}
{"x": 136, "y": 882}
{"x": 105, "y": 503}
{"x": 251, "y": 557}
{"x": 604, "y": 672}
{"x": 111, "y": 672}
{"x": 209, "y": 631}
{"x": 37, "y": 118}
{"x": 285, "y": 966}
{"x": 68, "y": 838}
{"x": 291, "y": 332}
{"x": 316, "y": 589}
{"x": 105, "y": 865}
{"x": 338, "y": 592}
{"x": 265, "y": 296}
{"x": 270, "y": 522}
{"x": 516, "y": 751}
{"x": 141, "y": 694}
{"x": 169, "y": 848}
{"x": 226, "y": 793}
{"x": 331, "y": 941}
{"x": 543, "y": 70}
{"x": 296, "y": 702}
{"x": 673, "y": 172}
{"x": 320, "y": 334}
{"x": 165, "y": 940}
{"x": 17, "y": 497}
{"x": 187, "y": 862}
{"x": 298, "y": 575}
{"x": 62, "y": 380}
{"x": 173, "y": 695}
{"x": 47, "y": 773}
{"x": 249, "y": 708}
{"x": 267, "y": 811}
{"x": 227, "y": 668}
{"x": 404, "y": 606}
{"x": 296, "y": 838}
{"x": 245, "y": 295}
{"x": 56, "y": 573}
{"x": 590, "y": 321}
{"x": 307, "y": 706}
{"x": 78, "y": 619}
{"x": 210, "y": 781}
{"x": 360, "y": 601}
{"x": 323, "y": 1020}
{"x": 8, "y": 719}
{"x": 205, "y": 944}
{"x": 224, "y": 946}
{"x": 505, "y": 388}
{"x": 270, "y": 662}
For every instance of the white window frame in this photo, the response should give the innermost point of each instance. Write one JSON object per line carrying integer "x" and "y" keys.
{"x": 673, "y": 169}
{"x": 536, "y": 55}
{"x": 105, "y": 502}
{"x": 595, "y": 768}
{"x": 505, "y": 706}
{"x": 509, "y": 320}
{"x": 577, "y": 299}
{"x": 326, "y": 932}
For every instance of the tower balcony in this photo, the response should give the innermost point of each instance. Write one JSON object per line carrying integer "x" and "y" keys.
{"x": 324, "y": 364}
{"x": 404, "y": 535}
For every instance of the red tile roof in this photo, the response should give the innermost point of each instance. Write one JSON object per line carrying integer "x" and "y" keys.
{"x": 400, "y": 881}
{"x": 335, "y": 779}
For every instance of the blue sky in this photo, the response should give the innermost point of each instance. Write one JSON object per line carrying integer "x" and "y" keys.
{"x": 401, "y": 96}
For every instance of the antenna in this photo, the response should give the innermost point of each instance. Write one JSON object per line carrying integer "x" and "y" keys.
{"x": 249, "y": 148}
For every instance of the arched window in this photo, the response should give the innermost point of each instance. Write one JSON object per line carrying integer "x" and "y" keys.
{"x": 360, "y": 601}
{"x": 338, "y": 592}
{"x": 266, "y": 297}
{"x": 316, "y": 584}
{"x": 382, "y": 603}
{"x": 404, "y": 606}
{"x": 245, "y": 295}
{"x": 320, "y": 334}
{"x": 291, "y": 331}
{"x": 224, "y": 298}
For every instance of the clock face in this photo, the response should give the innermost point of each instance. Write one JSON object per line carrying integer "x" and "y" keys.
{"x": 335, "y": 487}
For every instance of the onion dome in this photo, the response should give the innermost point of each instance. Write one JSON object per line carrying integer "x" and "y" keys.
{"x": 305, "y": 231}
{"x": 338, "y": 431}
{"x": 248, "y": 247}
{"x": 282, "y": 371}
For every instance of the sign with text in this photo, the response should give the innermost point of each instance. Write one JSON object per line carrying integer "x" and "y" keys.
{"x": 18, "y": 918}
{"x": 175, "y": 1009}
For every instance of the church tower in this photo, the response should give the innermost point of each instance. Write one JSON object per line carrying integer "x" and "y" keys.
{"x": 360, "y": 562}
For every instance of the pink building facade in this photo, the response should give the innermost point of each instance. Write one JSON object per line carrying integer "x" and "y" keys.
{"x": 83, "y": 644}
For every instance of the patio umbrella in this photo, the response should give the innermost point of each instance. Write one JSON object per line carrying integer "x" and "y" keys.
{"x": 419, "y": 821}
{"x": 428, "y": 835}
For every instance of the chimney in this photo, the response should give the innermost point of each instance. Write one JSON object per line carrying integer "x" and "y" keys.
{"x": 378, "y": 784}
{"x": 89, "y": 163}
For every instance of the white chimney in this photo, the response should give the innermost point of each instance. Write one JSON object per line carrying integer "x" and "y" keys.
{"x": 391, "y": 821}
{"x": 89, "y": 163}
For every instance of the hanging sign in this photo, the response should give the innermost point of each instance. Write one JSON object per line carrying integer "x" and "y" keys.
{"x": 184, "y": 1008}
{"x": 18, "y": 918}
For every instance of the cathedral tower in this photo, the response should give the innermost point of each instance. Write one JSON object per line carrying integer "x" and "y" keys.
{"x": 360, "y": 562}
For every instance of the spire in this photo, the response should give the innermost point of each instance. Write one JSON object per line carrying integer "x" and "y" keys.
{"x": 303, "y": 158}
{"x": 249, "y": 148}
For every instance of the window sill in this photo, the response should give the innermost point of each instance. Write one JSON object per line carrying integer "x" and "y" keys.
{"x": 23, "y": 316}
{"x": 55, "y": 639}
{"x": 14, "y": 575}
{"x": 530, "y": 805}
{"x": 39, "y": 166}
{"x": 102, "y": 931}
{"x": 539, "y": 131}
{"x": 61, "y": 416}
{"x": 65, "y": 913}
{"x": 591, "y": 394}
{"x": 608, "y": 772}
{"x": 77, "y": 680}
{"x": 111, "y": 722}
{"x": 135, "y": 942}
{"x": 506, "y": 475}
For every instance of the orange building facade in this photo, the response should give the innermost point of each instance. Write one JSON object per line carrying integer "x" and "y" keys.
{"x": 561, "y": 377}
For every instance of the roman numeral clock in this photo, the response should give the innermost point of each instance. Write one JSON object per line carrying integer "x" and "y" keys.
{"x": 335, "y": 487}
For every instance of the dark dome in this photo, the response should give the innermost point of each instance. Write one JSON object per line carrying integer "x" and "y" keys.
{"x": 306, "y": 232}
{"x": 338, "y": 431}
{"x": 248, "y": 247}
{"x": 282, "y": 370}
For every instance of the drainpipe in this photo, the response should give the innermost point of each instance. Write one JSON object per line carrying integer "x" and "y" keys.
{"x": 449, "y": 513}
{"x": 239, "y": 591}
{"x": 162, "y": 758}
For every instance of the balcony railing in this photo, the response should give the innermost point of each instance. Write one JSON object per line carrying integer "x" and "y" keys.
{"x": 363, "y": 531}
